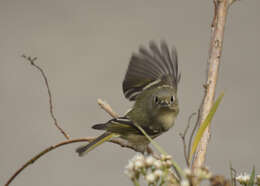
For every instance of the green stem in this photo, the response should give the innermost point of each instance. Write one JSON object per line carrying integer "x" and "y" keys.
{"x": 135, "y": 181}
{"x": 160, "y": 149}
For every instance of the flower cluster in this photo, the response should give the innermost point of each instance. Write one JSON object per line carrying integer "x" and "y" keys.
{"x": 243, "y": 179}
{"x": 154, "y": 170}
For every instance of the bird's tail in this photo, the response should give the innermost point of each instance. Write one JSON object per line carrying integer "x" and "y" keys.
{"x": 82, "y": 150}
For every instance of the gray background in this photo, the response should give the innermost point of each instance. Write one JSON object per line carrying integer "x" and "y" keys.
{"x": 84, "y": 47}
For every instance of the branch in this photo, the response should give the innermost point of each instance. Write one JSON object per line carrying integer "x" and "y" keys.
{"x": 50, "y": 148}
{"x": 183, "y": 137}
{"x": 216, "y": 43}
{"x": 32, "y": 62}
{"x": 191, "y": 136}
{"x": 106, "y": 107}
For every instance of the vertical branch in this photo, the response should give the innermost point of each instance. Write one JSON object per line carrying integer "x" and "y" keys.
{"x": 32, "y": 62}
{"x": 216, "y": 44}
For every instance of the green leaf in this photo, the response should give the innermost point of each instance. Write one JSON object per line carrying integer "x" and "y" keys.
{"x": 162, "y": 151}
{"x": 231, "y": 174}
{"x": 252, "y": 177}
{"x": 204, "y": 125}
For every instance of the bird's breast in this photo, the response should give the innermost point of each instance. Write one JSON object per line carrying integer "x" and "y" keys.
{"x": 165, "y": 120}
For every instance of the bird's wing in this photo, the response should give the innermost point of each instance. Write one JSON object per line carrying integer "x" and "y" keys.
{"x": 158, "y": 65}
{"x": 122, "y": 126}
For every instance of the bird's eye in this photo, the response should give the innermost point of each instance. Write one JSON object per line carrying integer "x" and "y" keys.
{"x": 156, "y": 99}
{"x": 172, "y": 99}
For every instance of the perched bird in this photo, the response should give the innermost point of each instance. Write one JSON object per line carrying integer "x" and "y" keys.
{"x": 151, "y": 81}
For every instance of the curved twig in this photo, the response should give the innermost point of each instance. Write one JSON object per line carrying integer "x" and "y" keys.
{"x": 50, "y": 148}
{"x": 183, "y": 137}
{"x": 32, "y": 62}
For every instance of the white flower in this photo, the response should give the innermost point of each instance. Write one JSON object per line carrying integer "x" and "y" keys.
{"x": 158, "y": 173}
{"x": 168, "y": 163}
{"x": 149, "y": 161}
{"x": 130, "y": 173}
{"x": 150, "y": 178}
{"x": 185, "y": 182}
{"x": 130, "y": 165}
{"x": 134, "y": 165}
{"x": 168, "y": 157}
{"x": 138, "y": 157}
{"x": 157, "y": 164}
{"x": 243, "y": 178}
{"x": 165, "y": 157}
{"x": 138, "y": 164}
{"x": 129, "y": 169}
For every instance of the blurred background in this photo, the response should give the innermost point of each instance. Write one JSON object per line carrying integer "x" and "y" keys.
{"x": 84, "y": 48}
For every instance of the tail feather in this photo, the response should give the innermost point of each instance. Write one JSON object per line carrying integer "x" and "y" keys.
{"x": 101, "y": 126}
{"x": 82, "y": 150}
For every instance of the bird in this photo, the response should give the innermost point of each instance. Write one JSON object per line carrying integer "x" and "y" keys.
{"x": 151, "y": 82}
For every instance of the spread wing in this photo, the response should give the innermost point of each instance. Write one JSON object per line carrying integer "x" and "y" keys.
{"x": 150, "y": 67}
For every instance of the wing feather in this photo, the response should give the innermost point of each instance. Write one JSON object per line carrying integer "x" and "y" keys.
{"x": 149, "y": 66}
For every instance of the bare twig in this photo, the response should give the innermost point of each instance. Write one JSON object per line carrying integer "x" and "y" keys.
{"x": 45, "y": 151}
{"x": 192, "y": 135}
{"x": 105, "y": 106}
{"x": 216, "y": 43}
{"x": 32, "y": 62}
{"x": 183, "y": 136}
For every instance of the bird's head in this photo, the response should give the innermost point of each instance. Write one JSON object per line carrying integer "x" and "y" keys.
{"x": 164, "y": 99}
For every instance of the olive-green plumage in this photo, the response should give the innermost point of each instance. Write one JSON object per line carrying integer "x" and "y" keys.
{"x": 151, "y": 81}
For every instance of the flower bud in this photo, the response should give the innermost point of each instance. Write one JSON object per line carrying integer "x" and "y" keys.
{"x": 185, "y": 182}
{"x": 157, "y": 164}
{"x": 243, "y": 178}
{"x": 138, "y": 164}
{"x": 158, "y": 173}
{"x": 149, "y": 161}
{"x": 150, "y": 178}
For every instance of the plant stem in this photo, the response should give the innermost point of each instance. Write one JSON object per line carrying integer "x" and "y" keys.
{"x": 216, "y": 44}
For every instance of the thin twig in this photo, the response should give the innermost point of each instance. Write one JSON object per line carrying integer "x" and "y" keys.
{"x": 32, "y": 62}
{"x": 188, "y": 126}
{"x": 216, "y": 43}
{"x": 185, "y": 150}
{"x": 183, "y": 136}
{"x": 192, "y": 135}
{"x": 105, "y": 106}
{"x": 45, "y": 151}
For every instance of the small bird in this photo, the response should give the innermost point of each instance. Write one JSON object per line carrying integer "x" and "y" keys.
{"x": 151, "y": 81}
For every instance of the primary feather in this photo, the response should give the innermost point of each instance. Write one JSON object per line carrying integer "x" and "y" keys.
{"x": 149, "y": 66}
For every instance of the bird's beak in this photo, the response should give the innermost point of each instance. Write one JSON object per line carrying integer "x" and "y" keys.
{"x": 164, "y": 104}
